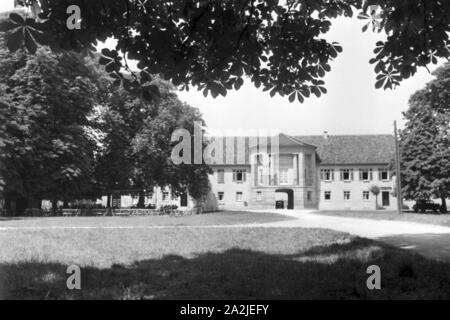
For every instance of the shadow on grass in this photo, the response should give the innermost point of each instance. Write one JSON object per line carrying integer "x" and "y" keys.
{"x": 324, "y": 272}
{"x": 9, "y": 218}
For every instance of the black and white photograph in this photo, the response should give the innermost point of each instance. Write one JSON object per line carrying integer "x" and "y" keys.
{"x": 224, "y": 154}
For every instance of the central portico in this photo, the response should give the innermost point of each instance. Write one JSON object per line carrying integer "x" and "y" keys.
{"x": 287, "y": 172}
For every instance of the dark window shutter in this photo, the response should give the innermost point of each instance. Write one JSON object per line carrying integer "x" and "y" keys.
{"x": 332, "y": 174}
{"x": 234, "y": 175}
{"x": 370, "y": 175}
{"x": 351, "y": 174}
{"x": 321, "y": 174}
{"x": 360, "y": 174}
{"x": 341, "y": 175}
{"x": 244, "y": 175}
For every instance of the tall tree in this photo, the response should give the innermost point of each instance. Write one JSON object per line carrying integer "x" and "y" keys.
{"x": 213, "y": 44}
{"x": 153, "y": 147}
{"x": 121, "y": 119}
{"x": 425, "y": 141}
{"x": 46, "y": 144}
{"x": 136, "y": 148}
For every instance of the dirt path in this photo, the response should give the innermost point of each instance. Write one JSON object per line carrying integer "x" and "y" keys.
{"x": 431, "y": 241}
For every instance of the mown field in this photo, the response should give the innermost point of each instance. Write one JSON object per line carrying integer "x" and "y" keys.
{"x": 189, "y": 262}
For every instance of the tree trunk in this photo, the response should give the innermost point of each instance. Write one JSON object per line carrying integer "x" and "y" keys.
{"x": 54, "y": 206}
{"x": 7, "y": 203}
{"x": 108, "y": 200}
{"x": 21, "y": 205}
{"x": 34, "y": 203}
{"x": 141, "y": 201}
{"x": 444, "y": 205}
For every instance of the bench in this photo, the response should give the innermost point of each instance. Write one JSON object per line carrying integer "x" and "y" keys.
{"x": 122, "y": 212}
{"x": 71, "y": 212}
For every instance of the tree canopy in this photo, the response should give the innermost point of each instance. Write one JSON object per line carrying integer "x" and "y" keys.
{"x": 67, "y": 133}
{"x": 425, "y": 141}
{"x": 46, "y": 148}
{"x": 137, "y": 146}
{"x": 213, "y": 44}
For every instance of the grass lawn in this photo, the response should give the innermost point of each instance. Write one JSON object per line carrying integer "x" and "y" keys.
{"x": 430, "y": 218}
{"x": 217, "y": 218}
{"x": 208, "y": 263}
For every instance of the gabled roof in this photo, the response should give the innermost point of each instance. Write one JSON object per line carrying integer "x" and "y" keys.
{"x": 353, "y": 149}
{"x": 343, "y": 149}
{"x": 287, "y": 141}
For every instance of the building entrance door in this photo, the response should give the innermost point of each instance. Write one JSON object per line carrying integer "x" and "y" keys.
{"x": 183, "y": 200}
{"x": 385, "y": 198}
{"x": 290, "y": 197}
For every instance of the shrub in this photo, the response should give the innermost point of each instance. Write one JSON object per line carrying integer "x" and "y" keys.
{"x": 168, "y": 207}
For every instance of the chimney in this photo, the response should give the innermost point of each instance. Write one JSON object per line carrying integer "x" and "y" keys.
{"x": 325, "y": 135}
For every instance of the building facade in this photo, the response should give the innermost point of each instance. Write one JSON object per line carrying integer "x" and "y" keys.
{"x": 304, "y": 172}
{"x": 310, "y": 172}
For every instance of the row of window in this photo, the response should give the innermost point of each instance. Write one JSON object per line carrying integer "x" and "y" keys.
{"x": 166, "y": 196}
{"x": 239, "y": 195}
{"x": 347, "y": 195}
{"x": 348, "y": 175}
{"x": 238, "y": 176}
{"x": 221, "y": 196}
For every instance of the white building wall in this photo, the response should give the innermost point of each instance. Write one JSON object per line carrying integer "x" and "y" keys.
{"x": 356, "y": 188}
{"x": 230, "y": 187}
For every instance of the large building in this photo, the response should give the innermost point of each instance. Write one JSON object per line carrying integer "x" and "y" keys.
{"x": 305, "y": 172}
{"x": 308, "y": 172}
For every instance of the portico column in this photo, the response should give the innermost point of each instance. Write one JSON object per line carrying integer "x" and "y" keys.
{"x": 253, "y": 167}
{"x": 301, "y": 169}
{"x": 294, "y": 165}
{"x": 269, "y": 163}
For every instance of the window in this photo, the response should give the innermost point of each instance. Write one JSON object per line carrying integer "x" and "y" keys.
{"x": 239, "y": 175}
{"x": 309, "y": 195}
{"x": 346, "y": 195}
{"x": 238, "y": 196}
{"x": 366, "y": 195}
{"x": 221, "y": 196}
{"x": 260, "y": 176}
{"x": 165, "y": 195}
{"x": 327, "y": 174}
{"x": 383, "y": 174}
{"x": 327, "y": 195}
{"x": 346, "y": 174}
{"x": 259, "y": 159}
{"x": 220, "y": 176}
{"x": 365, "y": 174}
{"x": 258, "y": 196}
{"x": 283, "y": 176}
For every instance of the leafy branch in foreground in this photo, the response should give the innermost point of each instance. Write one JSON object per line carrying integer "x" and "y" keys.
{"x": 213, "y": 44}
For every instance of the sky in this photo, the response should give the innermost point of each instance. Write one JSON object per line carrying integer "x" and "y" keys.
{"x": 351, "y": 106}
